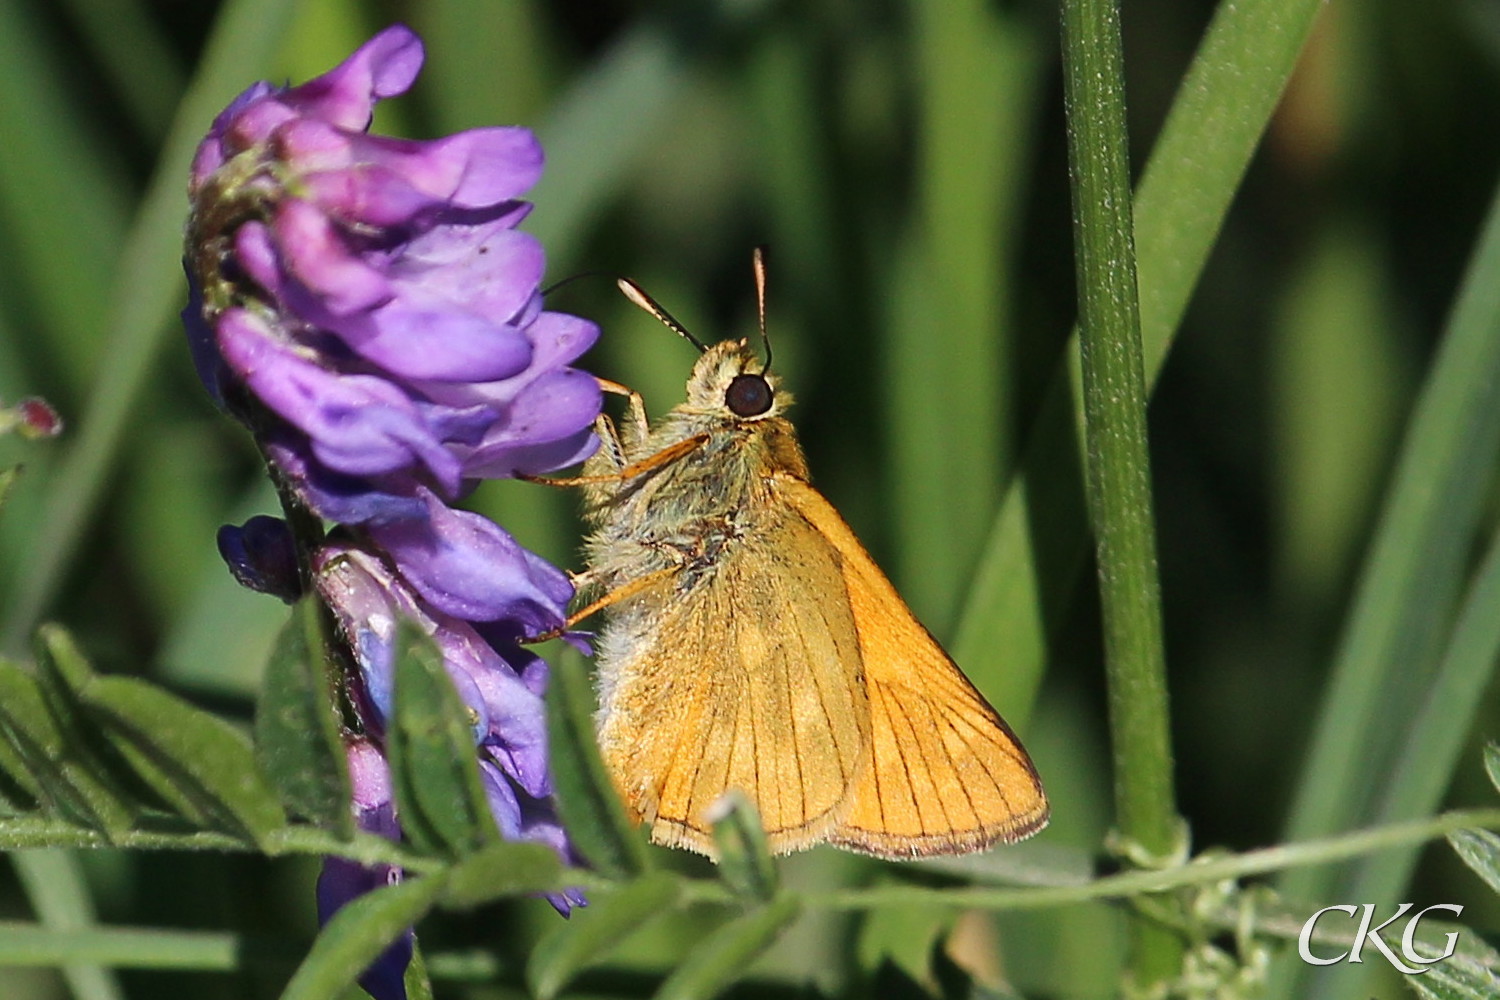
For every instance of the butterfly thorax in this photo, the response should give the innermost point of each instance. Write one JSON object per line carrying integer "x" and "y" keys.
{"x": 686, "y": 512}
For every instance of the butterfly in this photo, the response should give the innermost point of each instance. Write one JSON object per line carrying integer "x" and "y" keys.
{"x": 751, "y": 643}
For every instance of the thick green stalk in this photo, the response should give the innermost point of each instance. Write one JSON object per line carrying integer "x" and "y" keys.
{"x": 1118, "y": 465}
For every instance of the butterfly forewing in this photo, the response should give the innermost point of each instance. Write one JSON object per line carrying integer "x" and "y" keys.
{"x": 745, "y": 684}
{"x": 947, "y": 774}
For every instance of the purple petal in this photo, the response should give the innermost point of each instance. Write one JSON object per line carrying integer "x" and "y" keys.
{"x": 560, "y": 338}
{"x": 539, "y": 825}
{"x": 419, "y": 335}
{"x": 383, "y": 67}
{"x": 262, "y": 555}
{"x": 473, "y": 169}
{"x": 201, "y": 343}
{"x": 338, "y": 497}
{"x": 212, "y": 153}
{"x": 343, "y": 881}
{"x": 546, "y": 427}
{"x": 359, "y": 425}
{"x": 312, "y": 251}
{"x": 467, "y": 566}
{"x": 502, "y": 798}
{"x": 517, "y": 734}
{"x": 366, "y": 195}
{"x": 490, "y": 270}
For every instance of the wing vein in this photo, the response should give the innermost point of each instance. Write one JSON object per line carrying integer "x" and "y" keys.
{"x": 916, "y": 741}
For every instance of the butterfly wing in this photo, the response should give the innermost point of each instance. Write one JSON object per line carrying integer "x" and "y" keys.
{"x": 948, "y": 775}
{"x": 746, "y": 681}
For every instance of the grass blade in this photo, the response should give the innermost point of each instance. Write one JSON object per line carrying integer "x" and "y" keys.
{"x": 146, "y": 293}
{"x": 1220, "y": 112}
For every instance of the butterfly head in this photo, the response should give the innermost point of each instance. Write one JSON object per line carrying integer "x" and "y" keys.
{"x": 732, "y": 381}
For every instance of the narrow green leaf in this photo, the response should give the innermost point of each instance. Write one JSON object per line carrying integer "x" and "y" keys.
{"x": 142, "y": 68}
{"x": 122, "y": 340}
{"x": 744, "y": 859}
{"x": 416, "y": 980}
{"x": 585, "y": 795}
{"x": 16, "y": 764}
{"x": 430, "y": 744}
{"x": 59, "y": 893}
{"x": 197, "y": 761}
{"x": 502, "y": 869}
{"x": 64, "y": 667}
{"x": 948, "y": 348}
{"x": 1216, "y": 121}
{"x": 1480, "y": 850}
{"x": 64, "y": 785}
{"x": 1442, "y": 718}
{"x": 1457, "y": 978}
{"x": 610, "y": 117}
{"x": 569, "y": 948}
{"x": 63, "y": 672}
{"x": 720, "y": 959}
{"x": 18, "y": 788}
{"x": 1492, "y": 763}
{"x": 1410, "y": 583}
{"x": 297, "y": 741}
{"x": 357, "y": 935}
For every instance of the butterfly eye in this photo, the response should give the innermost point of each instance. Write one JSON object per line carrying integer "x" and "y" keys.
{"x": 748, "y": 395}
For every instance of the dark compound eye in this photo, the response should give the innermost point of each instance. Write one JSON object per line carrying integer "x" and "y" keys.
{"x": 748, "y": 395}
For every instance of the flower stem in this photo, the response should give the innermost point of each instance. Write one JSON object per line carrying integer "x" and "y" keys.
{"x": 1118, "y": 465}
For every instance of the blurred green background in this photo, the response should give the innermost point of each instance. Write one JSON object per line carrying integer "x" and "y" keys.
{"x": 906, "y": 162}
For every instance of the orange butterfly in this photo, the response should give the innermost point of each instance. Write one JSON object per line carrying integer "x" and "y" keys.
{"x": 752, "y": 643}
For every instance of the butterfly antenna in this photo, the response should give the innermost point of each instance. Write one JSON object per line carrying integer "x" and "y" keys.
{"x": 635, "y": 293}
{"x": 759, "y": 264}
{"x": 572, "y": 278}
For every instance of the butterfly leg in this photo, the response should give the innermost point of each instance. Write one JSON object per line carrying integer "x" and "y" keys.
{"x": 637, "y": 426}
{"x": 621, "y": 593}
{"x": 650, "y": 463}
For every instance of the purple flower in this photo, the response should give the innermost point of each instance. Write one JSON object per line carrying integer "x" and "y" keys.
{"x": 368, "y": 301}
{"x": 367, "y": 307}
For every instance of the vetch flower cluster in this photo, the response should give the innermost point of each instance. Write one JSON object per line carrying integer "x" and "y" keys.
{"x": 368, "y": 308}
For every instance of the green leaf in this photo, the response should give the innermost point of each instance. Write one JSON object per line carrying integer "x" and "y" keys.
{"x": 587, "y": 937}
{"x": 1460, "y": 977}
{"x": 1390, "y": 661}
{"x": 63, "y": 671}
{"x": 1492, "y": 763}
{"x": 584, "y": 793}
{"x": 12, "y": 761}
{"x": 416, "y": 980}
{"x": 430, "y": 744}
{"x": 744, "y": 859}
{"x": 502, "y": 869}
{"x": 64, "y": 785}
{"x": 357, "y": 935}
{"x": 1480, "y": 850}
{"x": 18, "y": 791}
{"x": 198, "y": 762}
{"x": 905, "y": 936}
{"x": 721, "y": 958}
{"x": 297, "y": 735}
